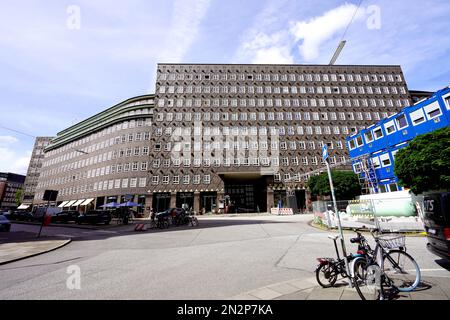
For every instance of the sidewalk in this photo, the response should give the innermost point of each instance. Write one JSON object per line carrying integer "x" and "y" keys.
{"x": 22, "y": 245}
{"x": 431, "y": 288}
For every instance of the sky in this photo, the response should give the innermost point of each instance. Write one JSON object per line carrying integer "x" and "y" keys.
{"x": 64, "y": 61}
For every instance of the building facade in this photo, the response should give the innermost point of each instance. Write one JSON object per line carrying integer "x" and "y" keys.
{"x": 101, "y": 159}
{"x": 373, "y": 150}
{"x": 10, "y": 184}
{"x": 241, "y": 138}
{"x": 34, "y": 169}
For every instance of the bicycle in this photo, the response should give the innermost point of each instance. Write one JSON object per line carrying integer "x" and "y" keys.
{"x": 386, "y": 270}
{"x": 329, "y": 269}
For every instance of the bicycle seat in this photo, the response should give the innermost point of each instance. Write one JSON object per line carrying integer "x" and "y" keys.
{"x": 332, "y": 237}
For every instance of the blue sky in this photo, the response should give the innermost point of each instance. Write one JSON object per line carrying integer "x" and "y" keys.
{"x": 54, "y": 75}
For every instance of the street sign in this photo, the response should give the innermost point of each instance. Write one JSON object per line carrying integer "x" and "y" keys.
{"x": 325, "y": 152}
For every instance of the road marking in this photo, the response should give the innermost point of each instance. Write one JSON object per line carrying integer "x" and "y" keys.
{"x": 64, "y": 235}
{"x": 105, "y": 231}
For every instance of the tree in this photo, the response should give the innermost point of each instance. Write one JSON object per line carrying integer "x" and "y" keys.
{"x": 424, "y": 165}
{"x": 346, "y": 185}
{"x": 19, "y": 195}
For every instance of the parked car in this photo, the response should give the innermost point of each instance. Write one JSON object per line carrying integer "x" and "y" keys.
{"x": 7, "y": 214}
{"x": 94, "y": 217}
{"x": 437, "y": 223}
{"x": 65, "y": 216}
{"x": 5, "y": 225}
{"x": 23, "y": 216}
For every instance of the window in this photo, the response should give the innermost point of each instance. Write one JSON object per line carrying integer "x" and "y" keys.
{"x": 433, "y": 110}
{"x": 447, "y": 102}
{"x": 417, "y": 117}
{"x": 378, "y": 133}
{"x": 155, "y": 179}
{"x": 390, "y": 127}
{"x": 359, "y": 141}
{"x": 401, "y": 121}
{"x": 385, "y": 160}
{"x": 376, "y": 162}
{"x": 368, "y": 136}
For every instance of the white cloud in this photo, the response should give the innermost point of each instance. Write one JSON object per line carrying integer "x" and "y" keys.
{"x": 273, "y": 55}
{"x": 186, "y": 18}
{"x": 12, "y": 160}
{"x": 261, "y": 45}
{"x": 271, "y": 49}
{"x": 7, "y": 140}
{"x": 318, "y": 30}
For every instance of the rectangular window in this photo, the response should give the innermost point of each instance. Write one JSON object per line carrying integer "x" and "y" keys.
{"x": 417, "y": 117}
{"x": 359, "y": 141}
{"x": 447, "y": 102}
{"x": 368, "y": 136}
{"x": 385, "y": 160}
{"x": 378, "y": 133}
{"x": 376, "y": 162}
{"x": 390, "y": 127}
{"x": 401, "y": 121}
{"x": 433, "y": 110}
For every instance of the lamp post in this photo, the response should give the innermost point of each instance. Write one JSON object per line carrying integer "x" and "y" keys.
{"x": 341, "y": 234}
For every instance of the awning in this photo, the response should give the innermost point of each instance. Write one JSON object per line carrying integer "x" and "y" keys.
{"x": 23, "y": 206}
{"x": 78, "y": 202}
{"x": 86, "y": 202}
{"x": 70, "y": 203}
{"x": 63, "y": 204}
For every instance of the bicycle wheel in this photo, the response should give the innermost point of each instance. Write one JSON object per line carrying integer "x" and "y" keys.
{"x": 326, "y": 275}
{"x": 359, "y": 267}
{"x": 367, "y": 281}
{"x": 402, "y": 270}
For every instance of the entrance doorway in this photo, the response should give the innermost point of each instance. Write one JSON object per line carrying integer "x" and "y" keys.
{"x": 185, "y": 199}
{"x": 161, "y": 201}
{"x": 208, "y": 201}
{"x": 246, "y": 195}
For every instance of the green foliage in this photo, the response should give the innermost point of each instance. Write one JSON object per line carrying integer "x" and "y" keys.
{"x": 346, "y": 185}
{"x": 424, "y": 165}
{"x": 18, "y": 196}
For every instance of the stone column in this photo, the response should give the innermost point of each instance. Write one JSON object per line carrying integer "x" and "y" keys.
{"x": 173, "y": 199}
{"x": 197, "y": 202}
{"x": 270, "y": 199}
{"x": 148, "y": 204}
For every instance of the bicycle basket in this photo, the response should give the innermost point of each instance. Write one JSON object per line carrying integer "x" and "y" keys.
{"x": 391, "y": 241}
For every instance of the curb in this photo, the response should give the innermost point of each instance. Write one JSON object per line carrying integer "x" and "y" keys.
{"x": 277, "y": 290}
{"x": 65, "y": 225}
{"x": 37, "y": 254}
{"x": 406, "y": 233}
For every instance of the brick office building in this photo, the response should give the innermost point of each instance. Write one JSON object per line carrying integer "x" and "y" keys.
{"x": 34, "y": 170}
{"x": 241, "y": 136}
{"x": 10, "y": 183}
{"x": 101, "y": 159}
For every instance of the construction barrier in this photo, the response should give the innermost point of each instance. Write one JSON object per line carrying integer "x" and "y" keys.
{"x": 282, "y": 211}
{"x": 140, "y": 227}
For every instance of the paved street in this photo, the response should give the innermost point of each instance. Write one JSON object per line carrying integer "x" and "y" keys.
{"x": 223, "y": 258}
